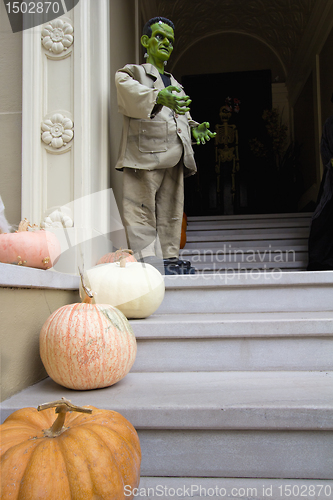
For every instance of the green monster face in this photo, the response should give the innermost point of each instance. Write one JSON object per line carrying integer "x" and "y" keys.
{"x": 160, "y": 45}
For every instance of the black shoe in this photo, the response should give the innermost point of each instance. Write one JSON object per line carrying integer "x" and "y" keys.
{"x": 178, "y": 266}
{"x": 187, "y": 270}
{"x": 172, "y": 269}
{"x": 184, "y": 263}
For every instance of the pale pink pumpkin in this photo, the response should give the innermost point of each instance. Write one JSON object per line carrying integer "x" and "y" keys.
{"x": 87, "y": 346}
{"x": 39, "y": 249}
{"x": 117, "y": 256}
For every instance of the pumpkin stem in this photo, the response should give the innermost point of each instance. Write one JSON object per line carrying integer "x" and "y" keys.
{"x": 122, "y": 262}
{"x": 87, "y": 292}
{"x": 120, "y": 254}
{"x": 23, "y": 225}
{"x": 61, "y": 407}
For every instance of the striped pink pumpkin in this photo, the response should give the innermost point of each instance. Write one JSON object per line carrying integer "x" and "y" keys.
{"x": 87, "y": 346}
{"x": 117, "y": 256}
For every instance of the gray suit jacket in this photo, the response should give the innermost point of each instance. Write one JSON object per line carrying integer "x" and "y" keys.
{"x": 153, "y": 136}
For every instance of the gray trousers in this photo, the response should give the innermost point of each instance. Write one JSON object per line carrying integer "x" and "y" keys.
{"x": 153, "y": 204}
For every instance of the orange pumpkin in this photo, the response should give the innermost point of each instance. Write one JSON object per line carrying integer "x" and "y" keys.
{"x": 117, "y": 256}
{"x": 87, "y": 346}
{"x": 40, "y": 249}
{"x": 94, "y": 456}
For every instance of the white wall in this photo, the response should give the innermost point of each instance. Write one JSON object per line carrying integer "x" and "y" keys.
{"x": 122, "y": 51}
{"x": 10, "y": 117}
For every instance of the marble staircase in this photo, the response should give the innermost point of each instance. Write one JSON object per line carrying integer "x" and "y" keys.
{"x": 232, "y": 388}
{"x": 222, "y": 244}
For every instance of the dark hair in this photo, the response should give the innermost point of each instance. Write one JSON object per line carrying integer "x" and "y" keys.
{"x": 147, "y": 27}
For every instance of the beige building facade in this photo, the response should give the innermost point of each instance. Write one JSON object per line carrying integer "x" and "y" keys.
{"x": 296, "y": 45}
{"x": 41, "y": 168}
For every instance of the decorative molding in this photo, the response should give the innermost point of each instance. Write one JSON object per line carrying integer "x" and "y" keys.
{"x": 91, "y": 98}
{"x": 78, "y": 88}
{"x": 315, "y": 35}
{"x": 58, "y": 218}
{"x": 178, "y": 56}
{"x": 57, "y": 37}
{"x": 57, "y": 131}
{"x": 33, "y": 190}
{"x": 280, "y": 24}
{"x": 43, "y": 98}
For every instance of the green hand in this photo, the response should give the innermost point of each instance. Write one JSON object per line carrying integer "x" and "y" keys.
{"x": 178, "y": 104}
{"x": 202, "y": 134}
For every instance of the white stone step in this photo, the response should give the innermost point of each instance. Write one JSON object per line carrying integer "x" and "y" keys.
{"x": 28, "y": 277}
{"x": 235, "y": 292}
{"x": 275, "y": 241}
{"x": 216, "y": 488}
{"x": 229, "y": 342}
{"x": 248, "y": 235}
{"x": 246, "y": 267}
{"x": 227, "y": 222}
{"x": 240, "y": 246}
{"x": 234, "y": 242}
{"x": 255, "y": 267}
{"x": 219, "y": 244}
{"x": 287, "y": 226}
{"x": 218, "y": 424}
{"x": 249, "y": 217}
{"x": 250, "y": 324}
{"x": 292, "y": 257}
{"x": 229, "y": 256}
{"x": 210, "y": 240}
{"x": 253, "y": 222}
{"x": 264, "y": 225}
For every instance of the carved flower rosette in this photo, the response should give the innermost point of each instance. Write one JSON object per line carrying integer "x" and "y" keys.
{"x": 57, "y": 36}
{"x": 60, "y": 217}
{"x": 57, "y": 131}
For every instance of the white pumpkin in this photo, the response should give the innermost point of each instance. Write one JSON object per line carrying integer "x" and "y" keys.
{"x": 136, "y": 289}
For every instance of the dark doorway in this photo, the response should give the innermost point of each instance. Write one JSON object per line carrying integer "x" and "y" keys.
{"x": 209, "y": 191}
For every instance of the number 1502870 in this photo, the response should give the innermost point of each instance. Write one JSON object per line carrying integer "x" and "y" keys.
{"x": 32, "y": 7}
{"x": 318, "y": 490}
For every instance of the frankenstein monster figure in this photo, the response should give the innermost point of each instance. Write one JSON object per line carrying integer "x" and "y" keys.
{"x": 156, "y": 150}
